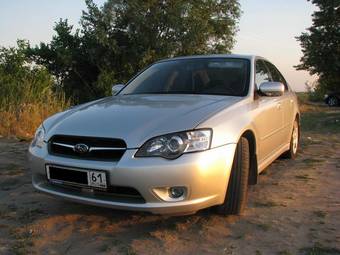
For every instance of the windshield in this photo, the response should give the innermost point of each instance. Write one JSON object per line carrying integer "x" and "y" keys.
{"x": 216, "y": 76}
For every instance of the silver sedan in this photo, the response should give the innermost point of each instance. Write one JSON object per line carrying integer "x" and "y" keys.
{"x": 182, "y": 135}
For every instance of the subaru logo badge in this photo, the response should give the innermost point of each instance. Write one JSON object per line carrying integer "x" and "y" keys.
{"x": 81, "y": 148}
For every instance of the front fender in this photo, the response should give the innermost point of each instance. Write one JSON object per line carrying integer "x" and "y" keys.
{"x": 230, "y": 124}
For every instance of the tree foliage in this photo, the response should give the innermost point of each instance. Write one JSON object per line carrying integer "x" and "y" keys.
{"x": 121, "y": 37}
{"x": 321, "y": 44}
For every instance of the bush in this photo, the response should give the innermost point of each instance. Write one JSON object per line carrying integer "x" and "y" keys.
{"x": 27, "y": 93}
{"x": 315, "y": 91}
{"x": 316, "y": 96}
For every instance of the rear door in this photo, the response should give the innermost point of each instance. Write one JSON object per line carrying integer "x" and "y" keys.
{"x": 269, "y": 117}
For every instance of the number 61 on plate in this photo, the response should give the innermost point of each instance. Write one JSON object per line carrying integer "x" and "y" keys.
{"x": 97, "y": 179}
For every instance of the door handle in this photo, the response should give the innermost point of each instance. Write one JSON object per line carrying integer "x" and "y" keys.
{"x": 278, "y": 105}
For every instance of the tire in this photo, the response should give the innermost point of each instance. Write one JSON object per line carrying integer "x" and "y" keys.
{"x": 294, "y": 142}
{"x": 237, "y": 193}
{"x": 333, "y": 101}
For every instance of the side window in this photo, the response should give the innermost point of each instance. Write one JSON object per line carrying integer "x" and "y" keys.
{"x": 261, "y": 73}
{"x": 276, "y": 75}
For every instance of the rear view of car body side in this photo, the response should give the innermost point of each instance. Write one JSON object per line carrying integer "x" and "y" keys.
{"x": 175, "y": 149}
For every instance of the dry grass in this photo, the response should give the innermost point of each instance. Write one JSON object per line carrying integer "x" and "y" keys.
{"x": 308, "y": 106}
{"x": 28, "y": 93}
{"x": 22, "y": 120}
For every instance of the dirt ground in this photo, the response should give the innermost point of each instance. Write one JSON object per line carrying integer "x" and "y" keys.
{"x": 294, "y": 209}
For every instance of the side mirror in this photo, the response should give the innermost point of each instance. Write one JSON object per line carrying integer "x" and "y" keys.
{"x": 117, "y": 88}
{"x": 272, "y": 89}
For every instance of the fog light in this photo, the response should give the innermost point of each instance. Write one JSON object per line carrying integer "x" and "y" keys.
{"x": 176, "y": 192}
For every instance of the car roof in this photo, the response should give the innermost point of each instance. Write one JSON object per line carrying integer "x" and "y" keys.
{"x": 250, "y": 57}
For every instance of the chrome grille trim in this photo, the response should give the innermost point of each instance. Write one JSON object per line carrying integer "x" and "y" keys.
{"x": 91, "y": 148}
{"x": 97, "y": 148}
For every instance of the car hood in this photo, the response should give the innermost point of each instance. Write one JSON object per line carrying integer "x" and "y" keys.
{"x": 137, "y": 118}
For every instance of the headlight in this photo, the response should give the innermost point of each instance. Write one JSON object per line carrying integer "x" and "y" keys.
{"x": 39, "y": 137}
{"x": 173, "y": 145}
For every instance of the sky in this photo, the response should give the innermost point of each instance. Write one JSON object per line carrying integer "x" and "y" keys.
{"x": 266, "y": 28}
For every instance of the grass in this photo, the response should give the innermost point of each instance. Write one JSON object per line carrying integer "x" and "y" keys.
{"x": 307, "y": 106}
{"x": 241, "y": 236}
{"x": 9, "y": 183}
{"x": 22, "y": 120}
{"x": 266, "y": 204}
{"x": 309, "y": 141}
{"x": 285, "y": 252}
{"x": 23, "y": 242}
{"x": 320, "y": 214}
{"x": 319, "y": 117}
{"x": 104, "y": 248}
{"x": 304, "y": 177}
{"x": 321, "y": 122}
{"x": 311, "y": 161}
{"x": 302, "y": 97}
{"x": 317, "y": 249}
{"x": 28, "y": 94}
{"x": 14, "y": 172}
{"x": 3, "y": 213}
{"x": 28, "y": 215}
{"x": 264, "y": 226}
{"x": 11, "y": 170}
{"x": 127, "y": 250}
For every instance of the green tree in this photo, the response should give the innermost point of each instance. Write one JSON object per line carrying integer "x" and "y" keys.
{"x": 123, "y": 36}
{"x": 321, "y": 45}
{"x": 67, "y": 58}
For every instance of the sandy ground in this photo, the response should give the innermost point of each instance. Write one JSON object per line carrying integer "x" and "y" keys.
{"x": 294, "y": 209}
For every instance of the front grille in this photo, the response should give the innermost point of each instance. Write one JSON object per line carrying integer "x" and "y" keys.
{"x": 98, "y": 148}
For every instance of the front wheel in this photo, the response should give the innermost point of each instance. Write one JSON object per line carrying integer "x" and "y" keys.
{"x": 237, "y": 193}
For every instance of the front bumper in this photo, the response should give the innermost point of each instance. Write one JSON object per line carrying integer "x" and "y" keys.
{"x": 204, "y": 174}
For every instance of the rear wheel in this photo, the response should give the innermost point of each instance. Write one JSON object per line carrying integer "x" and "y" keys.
{"x": 237, "y": 193}
{"x": 294, "y": 142}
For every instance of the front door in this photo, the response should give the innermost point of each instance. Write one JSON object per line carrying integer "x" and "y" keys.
{"x": 287, "y": 103}
{"x": 269, "y": 118}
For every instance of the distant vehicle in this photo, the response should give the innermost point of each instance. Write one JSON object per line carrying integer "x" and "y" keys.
{"x": 184, "y": 134}
{"x": 332, "y": 99}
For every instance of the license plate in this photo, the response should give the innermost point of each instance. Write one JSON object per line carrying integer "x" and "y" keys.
{"x": 75, "y": 176}
{"x": 97, "y": 179}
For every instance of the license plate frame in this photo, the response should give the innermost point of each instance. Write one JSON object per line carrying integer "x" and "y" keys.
{"x": 95, "y": 178}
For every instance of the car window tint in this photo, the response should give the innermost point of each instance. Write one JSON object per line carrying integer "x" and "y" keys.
{"x": 216, "y": 76}
{"x": 262, "y": 73}
{"x": 276, "y": 75}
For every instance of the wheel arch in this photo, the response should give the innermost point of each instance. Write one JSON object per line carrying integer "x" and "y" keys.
{"x": 298, "y": 118}
{"x": 253, "y": 169}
